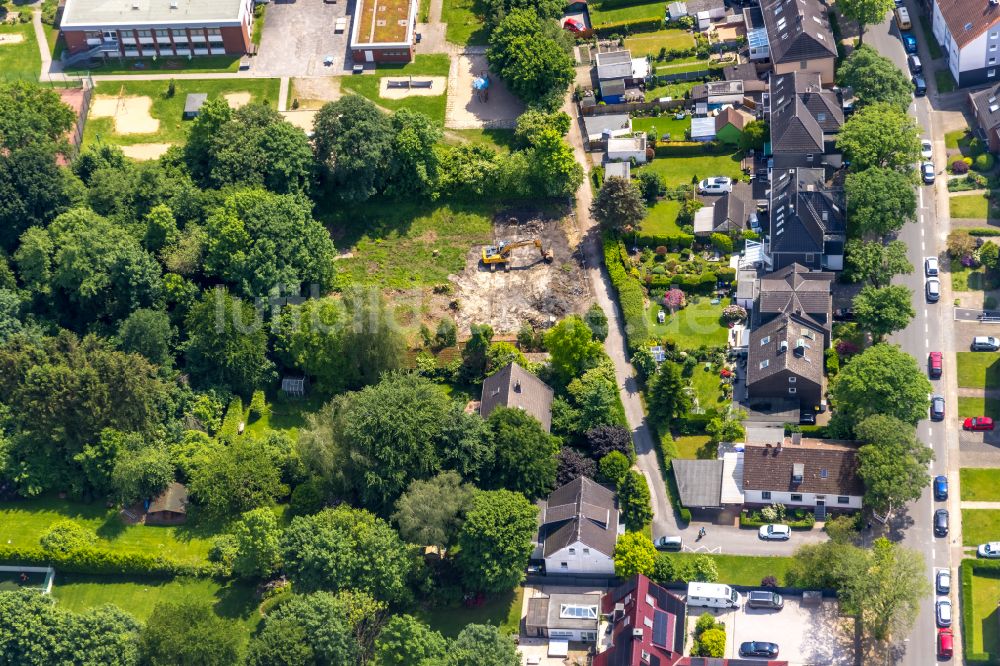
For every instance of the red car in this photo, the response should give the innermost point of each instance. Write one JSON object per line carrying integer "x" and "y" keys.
{"x": 946, "y": 643}
{"x": 978, "y": 423}
{"x": 935, "y": 362}
{"x": 573, "y": 25}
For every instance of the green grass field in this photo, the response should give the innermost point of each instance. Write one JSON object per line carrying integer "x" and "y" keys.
{"x": 694, "y": 326}
{"x": 695, "y": 447}
{"x": 661, "y": 220}
{"x": 503, "y": 610}
{"x": 465, "y": 23}
{"x": 945, "y": 81}
{"x": 682, "y": 170}
{"x": 682, "y": 67}
{"x": 402, "y": 245}
{"x": 620, "y": 11}
{"x": 179, "y": 64}
{"x": 423, "y": 65}
{"x": 286, "y": 416}
{"x": 980, "y": 484}
{"x": 978, "y": 370}
{"x": 501, "y": 140}
{"x": 706, "y": 388}
{"x": 744, "y": 569}
{"x": 650, "y": 43}
{"x": 971, "y": 206}
{"x": 985, "y": 592}
{"x": 23, "y": 522}
{"x": 169, "y": 110}
{"x": 21, "y": 60}
{"x": 665, "y": 124}
{"x": 676, "y": 90}
{"x": 978, "y": 406}
{"x": 980, "y": 526}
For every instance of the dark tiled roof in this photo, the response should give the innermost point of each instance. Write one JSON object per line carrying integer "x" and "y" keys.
{"x": 968, "y": 19}
{"x": 827, "y": 468}
{"x": 795, "y": 288}
{"x": 173, "y": 499}
{"x": 732, "y": 209}
{"x": 767, "y": 356}
{"x": 699, "y": 482}
{"x": 987, "y": 112}
{"x": 803, "y": 211}
{"x": 582, "y": 510}
{"x": 797, "y": 30}
{"x": 517, "y": 388}
{"x": 802, "y": 113}
{"x": 746, "y": 71}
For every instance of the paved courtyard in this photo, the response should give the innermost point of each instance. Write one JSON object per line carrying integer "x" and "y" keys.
{"x": 298, "y": 35}
{"x": 465, "y": 109}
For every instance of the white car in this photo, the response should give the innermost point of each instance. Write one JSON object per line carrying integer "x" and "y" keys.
{"x": 930, "y": 266}
{"x": 775, "y": 532}
{"x": 943, "y": 612}
{"x": 990, "y": 551}
{"x": 717, "y": 185}
{"x": 926, "y": 149}
{"x": 943, "y": 581}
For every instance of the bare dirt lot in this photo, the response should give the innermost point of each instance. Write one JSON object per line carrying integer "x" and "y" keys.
{"x": 465, "y": 108}
{"x": 131, "y": 113}
{"x": 145, "y": 151}
{"x": 531, "y": 291}
{"x": 314, "y": 92}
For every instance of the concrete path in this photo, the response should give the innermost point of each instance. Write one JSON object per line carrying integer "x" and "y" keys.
{"x": 43, "y": 42}
{"x": 283, "y": 94}
{"x": 980, "y": 505}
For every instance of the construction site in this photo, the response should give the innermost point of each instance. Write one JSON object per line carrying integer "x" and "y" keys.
{"x": 528, "y": 274}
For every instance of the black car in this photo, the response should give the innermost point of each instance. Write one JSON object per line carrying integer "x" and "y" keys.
{"x": 941, "y": 522}
{"x": 919, "y": 86}
{"x": 915, "y": 65}
{"x": 807, "y": 418}
{"x": 759, "y": 649}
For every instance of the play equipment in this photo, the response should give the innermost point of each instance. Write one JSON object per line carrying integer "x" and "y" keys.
{"x": 481, "y": 84}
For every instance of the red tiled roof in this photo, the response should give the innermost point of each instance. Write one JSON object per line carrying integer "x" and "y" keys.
{"x": 968, "y": 19}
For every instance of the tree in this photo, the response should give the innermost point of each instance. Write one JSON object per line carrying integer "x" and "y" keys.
{"x": 414, "y": 168}
{"x": 879, "y": 201}
{"x": 431, "y": 512}
{"x": 353, "y": 144}
{"x": 227, "y": 344}
{"x": 188, "y": 632}
{"x": 525, "y": 453}
{"x": 689, "y": 206}
{"x": 572, "y": 465}
{"x": 893, "y": 463}
{"x": 238, "y": 477}
{"x": 496, "y": 540}
{"x": 712, "y": 642}
{"x": 755, "y": 134}
{"x": 258, "y": 544}
{"x": 501, "y": 354}
{"x": 552, "y": 167}
{"x": 149, "y": 332}
{"x": 33, "y": 191}
{"x": 595, "y": 395}
{"x": 989, "y": 255}
{"x": 883, "y": 310}
{"x": 474, "y": 353}
{"x": 614, "y": 467}
{"x": 483, "y": 645}
{"x": 527, "y": 55}
{"x": 32, "y": 114}
{"x": 466, "y": 444}
{"x": 602, "y": 440}
{"x": 727, "y": 428}
{"x": 667, "y": 397}
{"x": 347, "y": 549}
{"x": 634, "y": 500}
{"x": 597, "y": 321}
{"x": 618, "y": 205}
{"x": 533, "y": 122}
{"x": 882, "y": 379}
{"x": 141, "y": 473}
{"x": 572, "y": 348}
{"x": 888, "y": 592}
{"x": 66, "y": 536}
{"x": 651, "y": 185}
{"x": 305, "y": 629}
{"x": 406, "y": 641}
{"x": 865, "y": 13}
{"x": 877, "y": 263}
{"x": 634, "y": 554}
{"x": 873, "y": 77}
{"x": 880, "y": 135}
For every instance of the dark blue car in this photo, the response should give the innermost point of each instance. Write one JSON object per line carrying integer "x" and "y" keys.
{"x": 940, "y": 487}
{"x": 909, "y": 42}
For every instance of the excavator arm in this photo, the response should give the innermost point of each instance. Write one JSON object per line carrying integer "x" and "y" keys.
{"x": 500, "y": 253}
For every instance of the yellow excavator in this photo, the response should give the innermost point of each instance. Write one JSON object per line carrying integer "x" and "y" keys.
{"x": 500, "y": 253}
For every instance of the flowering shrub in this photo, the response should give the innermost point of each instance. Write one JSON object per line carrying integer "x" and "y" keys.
{"x": 674, "y": 299}
{"x": 733, "y": 313}
{"x": 846, "y": 348}
{"x": 969, "y": 261}
{"x": 959, "y": 166}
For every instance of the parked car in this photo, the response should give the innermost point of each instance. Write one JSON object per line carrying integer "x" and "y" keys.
{"x": 717, "y": 185}
{"x": 945, "y": 643}
{"x": 941, "y": 522}
{"x": 758, "y": 649}
{"x": 942, "y": 581}
{"x": 989, "y": 551}
{"x": 940, "y": 487}
{"x": 927, "y": 172}
{"x": 937, "y": 408}
{"x": 978, "y": 423}
{"x": 843, "y": 314}
{"x": 926, "y": 147}
{"x": 935, "y": 365}
{"x": 931, "y": 266}
{"x": 942, "y": 610}
{"x": 915, "y": 67}
{"x": 985, "y": 343}
{"x": 919, "y": 85}
{"x": 573, "y": 25}
{"x": 909, "y": 42}
{"x": 807, "y": 417}
{"x": 903, "y": 18}
{"x": 669, "y": 543}
{"x": 775, "y": 532}
{"x": 765, "y": 599}
{"x": 933, "y": 289}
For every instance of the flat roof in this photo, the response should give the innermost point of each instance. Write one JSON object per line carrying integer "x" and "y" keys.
{"x": 87, "y": 13}
{"x": 383, "y": 22}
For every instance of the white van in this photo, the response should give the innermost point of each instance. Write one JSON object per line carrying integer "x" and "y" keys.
{"x": 712, "y": 595}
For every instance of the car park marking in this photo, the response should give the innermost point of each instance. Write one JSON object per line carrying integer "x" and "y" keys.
{"x": 920, "y": 194}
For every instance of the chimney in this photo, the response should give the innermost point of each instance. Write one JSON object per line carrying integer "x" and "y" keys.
{"x": 798, "y": 470}
{"x": 797, "y": 438}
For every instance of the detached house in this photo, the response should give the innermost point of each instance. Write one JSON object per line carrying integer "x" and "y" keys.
{"x": 785, "y": 361}
{"x": 799, "y": 37}
{"x": 804, "y": 119}
{"x": 969, "y": 33}
{"x": 806, "y": 222}
{"x": 795, "y": 290}
{"x": 517, "y": 388}
{"x": 729, "y": 213}
{"x": 579, "y": 526}
{"x": 648, "y": 625}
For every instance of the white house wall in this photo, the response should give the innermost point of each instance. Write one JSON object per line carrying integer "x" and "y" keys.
{"x": 755, "y": 497}
{"x": 579, "y": 559}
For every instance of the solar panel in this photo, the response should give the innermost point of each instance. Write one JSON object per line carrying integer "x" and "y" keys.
{"x": 660, "y": 628}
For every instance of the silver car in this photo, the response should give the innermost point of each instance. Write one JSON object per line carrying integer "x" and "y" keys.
{"x": 931, "y": 266}
{"x": 943, "y": 612}
{"x": 943, "y": 581}
{"x": 933, "y": 289}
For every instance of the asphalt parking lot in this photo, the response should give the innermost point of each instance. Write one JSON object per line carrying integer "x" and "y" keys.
{"x": 806, "y": 635}
{"x": 298, "y": 35}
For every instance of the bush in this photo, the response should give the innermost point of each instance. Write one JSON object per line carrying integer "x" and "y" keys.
{"x": 722, "y": 243}
{"x": 983, "y": 231}
{"x": 258, "y": 405}
{"x": 66, "y": 536}
{"x": 832, "y": 362}
{"x": 232, "y": 420}
{"x": 100, "y": 561}
{"x": 983, "y": 162}
{"x": 959, "y": 167}
{"x": 631, "y": 295}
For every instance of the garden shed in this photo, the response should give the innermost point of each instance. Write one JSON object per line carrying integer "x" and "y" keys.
{"x": 169, "y": 507}
{"x": 193, "y": 104}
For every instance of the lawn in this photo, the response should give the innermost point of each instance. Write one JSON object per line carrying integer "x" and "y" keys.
{"x": 676, "y": 90}
{"x": 503, "y": 610}
{"x": 665, "y": 124}
{"x": 693, "y": 326}
{"x": 501, "y": 140}
{"x": 985, "y": 592}
{"x": 706, "y": 388}
{"x": 681, "y": 67}
{"x": 401, "y": 245}
{"x": 23, "y": 522}
{"x": 980, "y": 526}
{"x": 683, "y": 170}
{"x": 650, "y": 43}
{"x": 695, "y": 447}
{"x": 465, "y": 23}
{"x": 621, "y": 11}
{"x": 978, "y": 370}
{"x": 967, "y": 279}
{"x": 745, "y": 569}
{"x": 980, "y": 484}
{"x": 169, "y": 110}
{"x": 952, "y": 139}
{"x": 978, "y": 406}
{"x": 972, "y": 206}
{"x": 661, "y": 219}
{"x": 945, "y": 81}
{"x": 286, "y": 416}
{"x": 423, "y": 65}
{"x": 21, "y": 60}
{"x": 138, "y": 596}
{"x": 180, "y": 64}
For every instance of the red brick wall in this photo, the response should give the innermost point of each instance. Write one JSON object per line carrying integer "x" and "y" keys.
{"x": 236, "y": 39}
{"x": 76, "y": 40}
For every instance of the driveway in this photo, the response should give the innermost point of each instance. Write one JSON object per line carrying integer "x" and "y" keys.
{"x": 298, "y": 35}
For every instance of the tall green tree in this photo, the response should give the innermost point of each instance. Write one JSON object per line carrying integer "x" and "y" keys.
{"x": 189, "y": 633}
{"x": 530, "y": 56}
{"x": 32, "y": 114}
{"x": 553, "y": 170}
{"x": 893, "y": 463}
{"x": 305, "y": 629}
{"x": 242, "y": 475}
{"x": 668, "y": 398}
{"x": 618, "y": 205}
{"x": 406, "y": 641}
{"x": 865, "y": 13}
{"x": 883, "y": 310}
{"x": 880, "y": 135}
{"x": 415, "y": 162}
{"x": 889, "y": 590}
{"x": 634, "y": 500}
{"x": 483, "y": 645}
{"x": 34, "y": 189}
{"x": 882, "y": 379}
{"x": 430, "y": 512}
{"x": 353, "y": 144}
{"x": 496, "y": 540}
{"x": 572, "y": 348}
{"x": 877, "y": 263}
{"x": 879, "y": 201}
{"x": 634, "y": 554}
{"x": 873, "y": 77}
{"x": 149, "y": 333}
{"x": 525, "y": 453}
{"x": 258, "y": 544}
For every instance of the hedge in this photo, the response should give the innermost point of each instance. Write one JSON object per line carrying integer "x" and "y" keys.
{"x": 104, "y": 561}
{"x": 806, "y": 523}
{"x": 966, "y": 571}
{"x": 628, "y": 26}
{"x": 679, "y": 241}
{"x": 668, "y": 451}
{"x": 231, "y": 421}
{"x": 631, "y": 295}
{"x": 983, "y": 231}
{"x": 815, "y": 431}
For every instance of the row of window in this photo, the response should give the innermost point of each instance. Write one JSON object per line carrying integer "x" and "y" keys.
{"x": 796, "y": 497}
{"x": 161, "y": 35}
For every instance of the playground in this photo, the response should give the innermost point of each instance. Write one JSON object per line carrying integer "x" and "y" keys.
{"x": 130, "y": 114}
{"x": 478, "y": 99}
{"x": 392, "y": 87}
